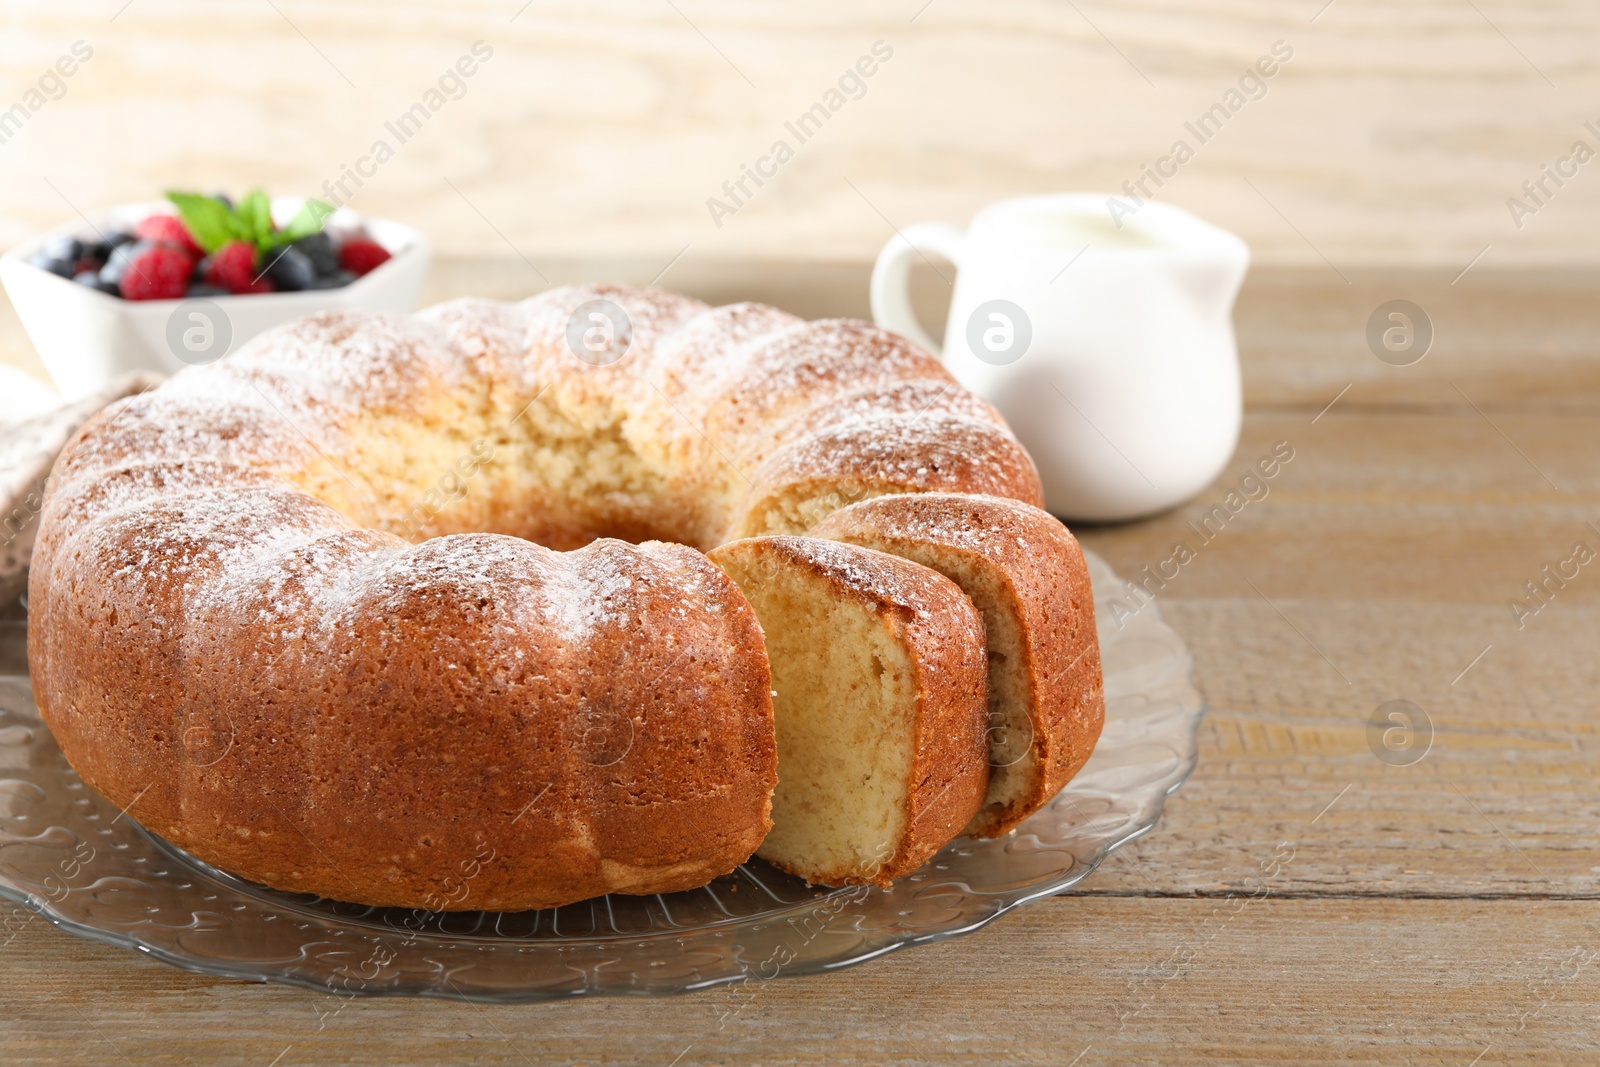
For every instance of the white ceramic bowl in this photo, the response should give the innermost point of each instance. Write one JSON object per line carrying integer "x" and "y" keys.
{"x": 87, "y": 338}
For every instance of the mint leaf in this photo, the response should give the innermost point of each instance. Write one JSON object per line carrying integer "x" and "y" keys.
{"x": 255, "y": 211}
{"x": 210, "y": 222}
{"x": 311, "y": 217}
{"x": 213, "y": 224}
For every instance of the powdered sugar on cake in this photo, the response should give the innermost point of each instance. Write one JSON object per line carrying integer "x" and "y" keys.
{"x": 753, "y": 399}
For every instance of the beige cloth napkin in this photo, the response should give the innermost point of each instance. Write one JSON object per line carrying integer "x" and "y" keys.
{"x": 27, "y": 452}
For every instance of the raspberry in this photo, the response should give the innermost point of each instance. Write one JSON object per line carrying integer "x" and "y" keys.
{"x": 156, "y": 272}
{"x": 361, "y": 256}
{"x": 169, "y": 230}
{"x": 233, "y": 267}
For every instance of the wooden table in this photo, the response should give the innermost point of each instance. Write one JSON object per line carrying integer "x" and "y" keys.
{"x": 1438, "y": 912}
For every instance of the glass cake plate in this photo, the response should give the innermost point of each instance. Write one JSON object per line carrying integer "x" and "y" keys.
{"x": 75, "y": 858}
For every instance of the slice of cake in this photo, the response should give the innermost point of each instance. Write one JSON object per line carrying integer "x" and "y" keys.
{"x": 878, "y": 676}
{"x": 1026, "y": 574}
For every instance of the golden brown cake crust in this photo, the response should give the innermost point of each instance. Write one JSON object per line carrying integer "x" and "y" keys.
{"x": 1039, "y": 568}
{"x": 264, "y": 611}
{"x": 558, "y": 725}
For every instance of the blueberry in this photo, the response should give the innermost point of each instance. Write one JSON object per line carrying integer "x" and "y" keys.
{"x": 68, "y": 249}
{"x": 291, "y": 269}
{"x": 109, "y": 243}
{"x": 126, "y": 251}
{"x": 205, "y": 290}
{"x": 62, "y": 267}
{"x": 93, "y": 280}
{"x": 121, "y": 256}
{"x": 319, "y": 249}
{"x": 201, "y": 268}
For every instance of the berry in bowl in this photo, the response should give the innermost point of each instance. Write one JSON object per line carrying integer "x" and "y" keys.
{"x": 159, "y": 286}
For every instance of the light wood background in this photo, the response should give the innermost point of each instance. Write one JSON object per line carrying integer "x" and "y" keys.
{"x": 1394, "y": 135}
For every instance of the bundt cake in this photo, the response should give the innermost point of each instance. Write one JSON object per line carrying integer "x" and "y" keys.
{"x": 1027, "y": 576}
{"x": 878, "y": 687}
{"x": 413, "y": 610}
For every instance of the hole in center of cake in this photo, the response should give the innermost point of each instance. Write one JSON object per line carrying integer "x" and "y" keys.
{"x": 555, "y": 476}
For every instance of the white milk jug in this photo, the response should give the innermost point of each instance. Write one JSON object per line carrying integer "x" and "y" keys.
{"x": 1107, "y": 344}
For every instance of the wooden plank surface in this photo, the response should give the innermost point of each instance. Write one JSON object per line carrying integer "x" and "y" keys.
{"x": 1395, "y": 134}
{"x": 1120, "y": 981}
{"x": 1431, "y": 913}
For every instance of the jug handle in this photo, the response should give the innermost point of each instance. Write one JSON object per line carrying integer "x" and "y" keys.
{"x": 891, "y": 276}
